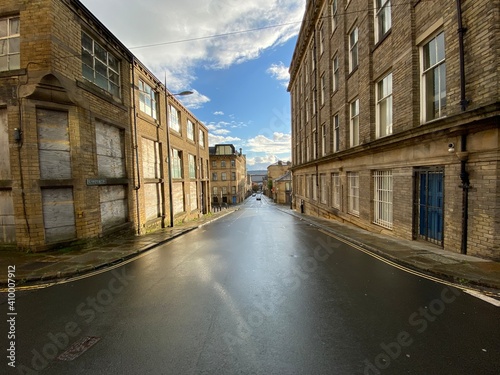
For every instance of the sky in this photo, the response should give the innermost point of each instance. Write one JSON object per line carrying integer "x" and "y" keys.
{"x": 234, "y": 55}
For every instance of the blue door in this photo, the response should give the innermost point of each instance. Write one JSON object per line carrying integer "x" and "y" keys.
{"x": 430, "y": 189}
{"x": 234, "y": 199}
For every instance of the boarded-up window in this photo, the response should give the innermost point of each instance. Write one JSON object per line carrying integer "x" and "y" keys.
{"x": 178, "y": 197}
{"x": 152, "y": 189}
{"x": 110, "y": 151}
{"x": 114, "y": 209}
{"x": 153, "y": 200}
{"x": 58, "y": 214}
{"x": 150, "y": 158}
{"x": 193, "y": 196}
{"x": 4, "y": 146}
{"x": 53, "y": 144}
{"x": 7, "y": 227}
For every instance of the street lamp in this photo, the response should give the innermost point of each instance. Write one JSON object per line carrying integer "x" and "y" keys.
{"x": 169, "y": 158}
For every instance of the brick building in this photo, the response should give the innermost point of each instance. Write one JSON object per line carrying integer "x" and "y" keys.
{"x": 229, "y": 175}
{"x": 395, "y": 119}
{"x": 83, "y": 139}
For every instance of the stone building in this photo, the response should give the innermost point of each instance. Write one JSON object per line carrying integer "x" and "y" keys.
{"x": 229, "y": 174}
{"x": 279, "y": 171}
{"x": 83, "y": 140}
{"x": 282, "y": 189}
{"x": 395, "y": 119}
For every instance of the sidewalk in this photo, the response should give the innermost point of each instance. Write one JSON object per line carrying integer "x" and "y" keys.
{"x": 468, "y": 271}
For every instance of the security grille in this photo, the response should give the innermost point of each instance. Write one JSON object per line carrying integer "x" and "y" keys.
{"x": 382, "y": 200}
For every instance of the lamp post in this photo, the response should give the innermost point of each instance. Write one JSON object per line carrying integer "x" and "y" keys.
{"x": 169, "y": 149}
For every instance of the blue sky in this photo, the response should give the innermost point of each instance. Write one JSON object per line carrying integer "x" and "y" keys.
{"x": 239, "y": 77}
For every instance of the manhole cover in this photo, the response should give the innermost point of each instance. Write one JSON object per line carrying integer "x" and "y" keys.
{"x": 78, "y": 348}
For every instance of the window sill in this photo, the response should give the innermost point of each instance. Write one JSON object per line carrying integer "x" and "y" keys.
{"x": 97, "y": 91}
{"x": 145, "y": 117}
{"x": 384, "y": 37}
{"x": 351, "y": 73}
{"x": 15, "y": 72}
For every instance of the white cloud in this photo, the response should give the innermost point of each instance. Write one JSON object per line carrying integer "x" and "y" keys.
{"x": 280, "y": 72}
{"x": 219, "y": 113}
{"x": 171, "y": 38}
{"x": 262, "y": 160}
{"x": 218, "y": 139}
{"x": 279, "y": 144}
{"x": 194, "y": 101}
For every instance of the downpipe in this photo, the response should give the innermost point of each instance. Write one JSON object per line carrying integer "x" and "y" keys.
{"x": 464, "y": 177}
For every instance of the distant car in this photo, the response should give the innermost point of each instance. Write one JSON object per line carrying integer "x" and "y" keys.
{"x": 258, "y": 197}
{"x": 253, "y": 195}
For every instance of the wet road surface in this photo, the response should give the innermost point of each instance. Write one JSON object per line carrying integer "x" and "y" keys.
{"x": 256, "y": 292}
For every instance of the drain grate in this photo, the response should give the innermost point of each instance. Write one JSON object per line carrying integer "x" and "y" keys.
{"x": 78, "y": 348}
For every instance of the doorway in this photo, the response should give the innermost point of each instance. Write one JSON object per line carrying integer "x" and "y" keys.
{"x": 429, "y": 204}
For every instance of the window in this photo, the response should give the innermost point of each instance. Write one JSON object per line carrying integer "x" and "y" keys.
{"x": 233, "y": 176}
{"x": 214, "y": 176}
{"x": 190, "y": 130}
{"x": 152, "y": 173}
{"x": 174, "y": 122}
{"x": 308, "y": 186}
{"x": 383, "y": 20}
{"x": 151, "y": 159}
{"x": 353, "y": 49}
{"x": 308, "y": 149}
{"x": 233, "y": 190}
{"x": 315, "y": 144}
{"x": 382, "y": 200}
{"x": 223, "y": 176}
{"x": 335, "y": 16}
{"x": 353, "y": 193}
{"x": 233, "y": 163}
{"x": 224, "y": 150}
{"x": 223, "y": 164}
{"x": 224, "y": 190}
{"x": 354, "y": 123}
{"x": 336, "y": 190}
{"x": 307, "y": 111}
{"x": 323, "y": 140}
{"x": 313, "y": 59}
{"x": 324, "y": 189}
{"x": 384, "y": 106}
{"x": 216, "y": 190}
{"x": 147, "y": 99}
{"x": 434, "y": 79}
{"x": 176, "y": 163}
{"x": 335, "y": 68}
{"x": 202, "y": 138}
{"x": 323, "y": 88}
{"x": 10, "y": 48}
{"x": 314, "y": 187}
{"x": 321, "y": 40}
{"x": 214, "y": 164}
{"x": 336, "y": 133}
{"x": 100, "y": 66}
{"x": 192, "y": 166}
{"x": 314, "y": 101}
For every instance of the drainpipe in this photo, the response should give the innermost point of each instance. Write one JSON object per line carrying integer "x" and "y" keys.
{"x": 464, "y": 175}
{"x": 461, "y": 32}
{"x": 137, "y": 176}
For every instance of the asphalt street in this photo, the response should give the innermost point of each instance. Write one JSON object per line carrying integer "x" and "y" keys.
{"x": 255, "y": 292}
